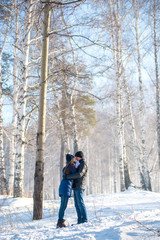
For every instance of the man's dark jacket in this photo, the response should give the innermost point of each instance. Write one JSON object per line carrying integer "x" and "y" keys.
{"x": 79, "y": 178}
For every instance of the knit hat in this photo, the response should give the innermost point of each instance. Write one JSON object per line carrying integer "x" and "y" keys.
{"x": 69, "y": 157}
{"x": 79, "y": 154}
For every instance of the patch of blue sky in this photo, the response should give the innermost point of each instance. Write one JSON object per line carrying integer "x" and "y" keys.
{"x": 7, "y": 111}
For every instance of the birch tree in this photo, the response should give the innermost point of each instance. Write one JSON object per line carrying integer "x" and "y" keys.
{"x": 21, "y": 104}
{"x": 144, "y": 160}
{"x": 155, "y": 7}
{"x": 118, "y": 65}
{"x": 15, "y": 97}
{"x": 3, "y": 185}
{"x": 134, "y": 139}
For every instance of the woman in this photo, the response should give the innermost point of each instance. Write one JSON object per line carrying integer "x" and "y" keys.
{"x": 65, "y": 189}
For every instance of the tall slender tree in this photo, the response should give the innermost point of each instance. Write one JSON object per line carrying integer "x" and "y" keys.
{"x": 3, "y": 179}
{"x": 21, "y": 104}
{"x": 15, "y": 97}
{"x": 118, "y": 65}
{"x": 145, "y": 170}
{"x": 155, "y": 7}
{"x": 39, "y": 167}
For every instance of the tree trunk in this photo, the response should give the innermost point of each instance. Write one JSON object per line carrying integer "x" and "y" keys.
{"x": 115, "y": 169}
{"x": 145, "y": 170}
{"x": 118, "y": 64}
{"x": 157, "y": 78}
{"x": 15, "y": 97}
{"x": 135, "y": 146}
{"x": 39, "y": 167}
{"x": 74, "y": 127}
{"x": 21, "y": 111}
{"x": 3, "y": 180}
{"x": 116, "y": 46}
{"x": 3, "y": 184}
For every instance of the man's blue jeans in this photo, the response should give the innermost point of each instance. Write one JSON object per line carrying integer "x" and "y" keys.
{"x": 64, "y": 201}
{"x": 79, "y": 205}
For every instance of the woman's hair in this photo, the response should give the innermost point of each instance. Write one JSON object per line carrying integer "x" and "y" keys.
{"x": 67, "y": 170}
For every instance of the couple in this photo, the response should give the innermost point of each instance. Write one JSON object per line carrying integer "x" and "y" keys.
{"x": 74, "y": 176}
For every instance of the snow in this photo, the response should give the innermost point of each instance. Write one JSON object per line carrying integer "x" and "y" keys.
{"x": 133, "y": 214}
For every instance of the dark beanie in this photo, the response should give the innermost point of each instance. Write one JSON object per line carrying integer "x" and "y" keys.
{"x": 79, "y": 154}
{"x": 69, "y": 157}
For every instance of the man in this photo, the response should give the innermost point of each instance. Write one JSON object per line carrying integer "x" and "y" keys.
{"x": 79, "y": 182}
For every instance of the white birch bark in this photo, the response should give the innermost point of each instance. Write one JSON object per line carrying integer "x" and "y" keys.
{"x": 136, "y": 147}
{"x": 120, "y": 134}
{"x": 115, "y": 169}
{"x": 3, "y": 179}
{"x": 21, "y": 108}
{"x": 115, "y": 32}
{"x": 144, "y": 160}
{"x": 157, "y": 77}
{"x": 15, "y": 97}
{"x": 117, "y": 64}
{"x": 74, "y": 126}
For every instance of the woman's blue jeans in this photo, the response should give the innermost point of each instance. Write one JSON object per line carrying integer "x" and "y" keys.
{"x": 63, "y": 206}
{"x": 80, "y": 206}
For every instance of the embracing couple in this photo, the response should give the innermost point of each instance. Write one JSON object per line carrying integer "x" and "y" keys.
{"x": 74, "y": 177}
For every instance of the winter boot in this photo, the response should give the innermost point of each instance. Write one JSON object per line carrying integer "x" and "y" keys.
{"x": 61, "y": 224}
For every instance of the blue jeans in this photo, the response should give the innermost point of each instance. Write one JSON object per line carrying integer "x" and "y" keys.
{"x": 79, "y": 205}
{"x": 64, "y": 201}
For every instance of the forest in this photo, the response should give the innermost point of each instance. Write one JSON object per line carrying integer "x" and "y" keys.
{"x": 79, "y": 75}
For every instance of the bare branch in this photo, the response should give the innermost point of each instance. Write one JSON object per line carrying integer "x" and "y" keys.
{"x": 9, "y": 9}
{"x": 64, "y": 3}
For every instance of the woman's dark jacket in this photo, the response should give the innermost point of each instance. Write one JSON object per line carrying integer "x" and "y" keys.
{"x": 79, "y": 178}
{"x": 65, "y": 187}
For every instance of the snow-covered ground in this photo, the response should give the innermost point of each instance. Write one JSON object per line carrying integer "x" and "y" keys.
{"x": 132, "y": 214}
